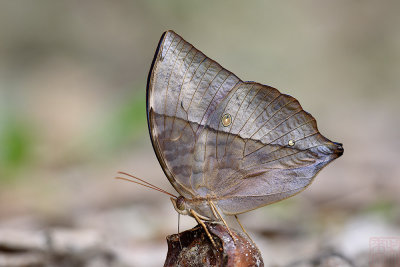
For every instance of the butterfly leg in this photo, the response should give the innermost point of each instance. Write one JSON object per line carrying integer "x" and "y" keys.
{"x": 212, "y": 209}
{"x": 205, "y": 228}
{"x": 179, "y": 220}
{"x": 237, "y": 219}
{"x": 215, "y": 210}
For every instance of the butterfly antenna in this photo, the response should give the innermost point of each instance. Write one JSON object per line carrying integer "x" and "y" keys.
{"x": 143, "y": 183}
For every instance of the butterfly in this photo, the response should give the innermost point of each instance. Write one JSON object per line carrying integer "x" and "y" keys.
{"x": 227, "y": 146}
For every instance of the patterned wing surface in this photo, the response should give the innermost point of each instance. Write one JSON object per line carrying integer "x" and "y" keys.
{"x": 184, "y": 88}
{"x": 266, "y": 150}
{"x": 271, "y": 149}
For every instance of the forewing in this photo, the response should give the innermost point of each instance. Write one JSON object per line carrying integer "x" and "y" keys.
{"x": 183, "y": 90}
{"x": 270, "y": 151}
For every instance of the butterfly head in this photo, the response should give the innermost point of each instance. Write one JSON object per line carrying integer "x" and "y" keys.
{"x": 180, "y": 205}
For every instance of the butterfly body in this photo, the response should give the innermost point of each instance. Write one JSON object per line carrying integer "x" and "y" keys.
{"x": 227, "y": 146}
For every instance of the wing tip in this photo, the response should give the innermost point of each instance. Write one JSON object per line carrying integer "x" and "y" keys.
{"x": 170, "y": 32}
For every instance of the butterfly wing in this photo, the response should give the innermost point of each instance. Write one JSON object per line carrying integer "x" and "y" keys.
{"x": 184, "y": 88}
{"x": 269, "y": 150}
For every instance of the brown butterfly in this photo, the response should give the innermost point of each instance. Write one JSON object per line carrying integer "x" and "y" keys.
{"x": 227, "y": 146}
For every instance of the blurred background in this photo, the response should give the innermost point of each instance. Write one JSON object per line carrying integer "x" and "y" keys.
{"x": 72, "y": 113}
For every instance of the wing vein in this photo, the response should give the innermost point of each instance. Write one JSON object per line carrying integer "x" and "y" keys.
{"x": 262, "y": 111}
{"x": 249, "y": 167}
{"x": 273, "y": 115}
{"x": 219, "y": 124}
{"x": 209, "y": 104}
{"x": 186, "y": 111}
{"x": 307, "y": 122}
{"x": 169, "y": 79}
{"x": 234, "y": 120}
{"x": 181, "y": 86}
{"x": 279, "y": 124}
{"x": 197, "y": 87}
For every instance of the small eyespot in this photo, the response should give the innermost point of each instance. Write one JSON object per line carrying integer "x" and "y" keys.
{"x": 291, "y": 143}
{"x": 226, "y": 120}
